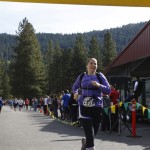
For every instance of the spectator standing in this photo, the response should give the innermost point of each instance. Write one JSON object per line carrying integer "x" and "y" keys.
{"x": 11, "y": 103}
{"x": 27, "y": 103}
{"x": 129, "y": 96}
{"x": 60, "y": 105}
{"x": 35, "y": 104}
{"x": 41, "y": 103}
{"x": 138, "y": 88}
{"x": 65, "y": 104}
{"x": 45, "y": 105}
{"x": 73, "y": 107}
{"x": 114, "y": 96}
{"x": 105, "y": 124}
{"x": 55, "y": 106}
{"x": 50, "y": 104}
{"x": 1, "y": 104}
{"x": 15, "y": 103}
{"x": 20, "y": 103}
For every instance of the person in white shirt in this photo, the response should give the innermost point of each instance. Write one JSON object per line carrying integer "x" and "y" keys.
{"x": 20, "y": 103}
{"x": 138, "y": 88}
{"x": 45, "y": 104}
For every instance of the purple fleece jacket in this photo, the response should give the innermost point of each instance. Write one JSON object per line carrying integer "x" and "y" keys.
{"x": 88, "y": 90}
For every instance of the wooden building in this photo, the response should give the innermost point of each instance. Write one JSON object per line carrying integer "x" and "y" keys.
{"x": 133, "y": 61}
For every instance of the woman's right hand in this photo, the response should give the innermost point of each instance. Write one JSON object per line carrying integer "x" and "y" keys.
{"x": 95, "y": 83}
{"x": 76, "y": 96}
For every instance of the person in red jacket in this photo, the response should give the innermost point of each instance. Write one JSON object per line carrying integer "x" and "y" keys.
{"x": 27, "y": 103}
{"x": 114, "y": 96}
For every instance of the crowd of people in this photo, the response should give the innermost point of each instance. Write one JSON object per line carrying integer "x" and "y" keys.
{"x": 63, "y": 104}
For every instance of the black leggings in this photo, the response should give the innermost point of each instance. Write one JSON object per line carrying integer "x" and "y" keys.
{"x": 90, "y": 124}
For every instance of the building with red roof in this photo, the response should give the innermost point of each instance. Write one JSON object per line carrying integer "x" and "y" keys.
{"x": 133, "y": 61}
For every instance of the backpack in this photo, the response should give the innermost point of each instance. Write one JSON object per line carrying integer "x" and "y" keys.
{"x": 106, "y": 101}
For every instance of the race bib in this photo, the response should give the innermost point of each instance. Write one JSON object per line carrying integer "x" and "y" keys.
{"x": 89, "y": 102}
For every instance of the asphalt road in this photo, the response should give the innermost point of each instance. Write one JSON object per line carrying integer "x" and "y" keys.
{"x": 34, "y": 131}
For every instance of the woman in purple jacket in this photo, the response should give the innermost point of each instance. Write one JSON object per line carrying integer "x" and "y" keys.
{"x": 90, "y": 101}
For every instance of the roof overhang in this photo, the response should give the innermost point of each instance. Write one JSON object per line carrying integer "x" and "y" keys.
{"x": 139, "y": 67}
{"x": 142, "y": 68}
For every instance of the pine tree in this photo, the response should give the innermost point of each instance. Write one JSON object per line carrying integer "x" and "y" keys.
{"x": 109, "y": 49}
{"x": 56, "y": 67}
{"x": 49, "y": 59}
{"x": 27, "y": 66}
{"x": 95, "y": 51}
{"x": 66, "y": 67}
{"x": 1, "y": 79}
{"x": 78, "y": 61}
{"x": 4, "y": 80}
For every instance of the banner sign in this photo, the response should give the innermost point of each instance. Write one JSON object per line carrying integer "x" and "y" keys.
{"x": 134, "y": 3}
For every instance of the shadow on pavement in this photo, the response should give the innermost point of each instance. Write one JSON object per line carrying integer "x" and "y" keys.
{"x": 51, "y": 125}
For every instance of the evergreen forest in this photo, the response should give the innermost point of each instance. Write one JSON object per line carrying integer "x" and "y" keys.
{"x": 36, "y": 64}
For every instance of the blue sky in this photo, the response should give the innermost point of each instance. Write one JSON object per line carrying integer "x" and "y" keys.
{"x": 58, "y": 18}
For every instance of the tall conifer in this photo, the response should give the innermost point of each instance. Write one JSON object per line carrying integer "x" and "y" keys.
{"x": 5, "y": 84}
{"x": 78, "y": 62}
{"x": 49, "y": 59}
{"x": 28, "y": 70}
{"x": 95, "y": 51}
{"x": 66, "y": 67}
{"x": 56, "y": 66}
{"x": 109, "y": 49}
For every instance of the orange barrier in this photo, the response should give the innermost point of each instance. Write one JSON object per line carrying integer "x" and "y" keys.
{"x": 133, "y": 118}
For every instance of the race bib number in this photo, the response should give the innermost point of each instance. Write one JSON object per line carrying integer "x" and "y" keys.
{"x": 88, "y": 102}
